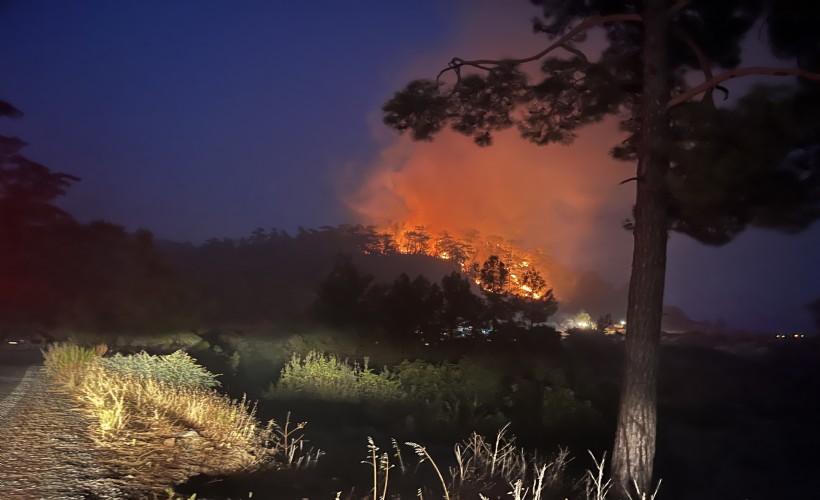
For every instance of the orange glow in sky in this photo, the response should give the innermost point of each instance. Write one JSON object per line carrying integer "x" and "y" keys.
{"x": 564, "y": 200}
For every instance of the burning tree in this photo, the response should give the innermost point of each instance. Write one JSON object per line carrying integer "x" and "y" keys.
{"x": 689, "y": 175}
{"x": 522, "y": 275}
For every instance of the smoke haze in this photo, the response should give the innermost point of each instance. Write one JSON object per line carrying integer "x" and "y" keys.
{"x": 565, "y": 201}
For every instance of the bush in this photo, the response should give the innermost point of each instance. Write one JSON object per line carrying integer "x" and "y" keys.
{"x": 178, "y": 369}
{"x": 68, "y": 362}
{"x": 464, "y": 394}
{"x": 324, "y": 376}
{"x": 464, "y": 381}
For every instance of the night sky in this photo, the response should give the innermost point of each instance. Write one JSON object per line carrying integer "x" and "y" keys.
{"x": 207, "y": 119}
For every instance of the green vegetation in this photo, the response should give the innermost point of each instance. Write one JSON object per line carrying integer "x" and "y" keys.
{"x": 67, "y": 362}
{"x": 443, "y": 398}
{"x": 326, "y": 377}
{"x": 177, "y": 369}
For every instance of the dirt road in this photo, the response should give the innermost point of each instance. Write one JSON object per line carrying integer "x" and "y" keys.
{"x": 15, "y": 362}
{"x": 45, "y": 450}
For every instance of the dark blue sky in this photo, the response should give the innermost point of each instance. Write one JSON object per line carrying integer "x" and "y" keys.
{"x": 202, "y": 118}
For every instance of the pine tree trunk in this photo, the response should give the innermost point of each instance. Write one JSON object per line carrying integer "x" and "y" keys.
{"x": 634, "y": 449}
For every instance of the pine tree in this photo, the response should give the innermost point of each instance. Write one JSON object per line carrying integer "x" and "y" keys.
{"x": 639, "y": 78}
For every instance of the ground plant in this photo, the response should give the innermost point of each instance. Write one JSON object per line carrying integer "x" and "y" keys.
{"x": 325, "y": 376}
{"x": 482, "y": 468}
{"x": 178, "y": 369}
{"x": 144, "y": 405}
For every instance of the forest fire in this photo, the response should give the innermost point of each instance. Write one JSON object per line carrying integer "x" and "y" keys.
{"x": 494, "y": 264}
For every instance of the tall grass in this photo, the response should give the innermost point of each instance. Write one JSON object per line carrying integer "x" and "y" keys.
{"x": 485, "y": 468}
{"x": 169, "y": 397}
{"x": 68, "y": 363}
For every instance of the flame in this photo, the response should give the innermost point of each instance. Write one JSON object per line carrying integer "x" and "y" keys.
{"x": 565, "y": 200}
{"x": 468, "y": 251}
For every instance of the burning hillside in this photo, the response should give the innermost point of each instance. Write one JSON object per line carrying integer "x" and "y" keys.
{"x": 495, "y": 264}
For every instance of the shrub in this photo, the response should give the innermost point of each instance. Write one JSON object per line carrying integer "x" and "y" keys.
{"x": 464, "y": 394}
{"x": 324, "y": 376}
{"x": 68, "y": 362}
{"x": 177, "y": 368}
{"x": 562, "y": 409}
{"x": 464, "y": 381}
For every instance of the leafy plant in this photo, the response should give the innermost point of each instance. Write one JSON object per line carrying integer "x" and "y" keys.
{"x": 463, "y": 394}
{"x": 324, "y": 376}
{"x": 177, "y": 368}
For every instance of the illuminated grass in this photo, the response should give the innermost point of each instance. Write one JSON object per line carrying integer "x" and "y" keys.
{"x": 158, "y": 400}
{"x": 67, "y": 363}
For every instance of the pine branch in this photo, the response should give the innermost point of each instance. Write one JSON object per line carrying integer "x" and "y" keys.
{"x": 703, "y": 61}
{"x": 580, "y": 54}
{"x": 456, "y": 64}
{"x": 738, "y": 72}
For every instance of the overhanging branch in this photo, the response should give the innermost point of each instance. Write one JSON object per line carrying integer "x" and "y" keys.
{"x": 735, "y": 73}
{"x": 569, "y": 48}
{"x": 456, "y": 64}
{"x": 703, "y": 61}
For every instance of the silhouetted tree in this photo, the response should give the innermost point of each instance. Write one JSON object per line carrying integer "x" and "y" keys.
{"x": 533, "y": 283}
{"x": 416, "y": 240}
{"x": 604, "y": 322}
{"x": 536, "y": 310}
{"x": 341, "y": 295}
{"x": 116, "y": 281}
{"x": 494, "y": 276}
{"x": 460, "y": 303}
{"x": 27, "y": 188}
{"x": 651, "y": 46}
{"x": 412, "y": 307}
{"x": 29, "y": 222}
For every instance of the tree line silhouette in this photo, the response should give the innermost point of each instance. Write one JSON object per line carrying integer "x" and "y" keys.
{"x": 425, "y": 311}
{"x": 56, "y": 272}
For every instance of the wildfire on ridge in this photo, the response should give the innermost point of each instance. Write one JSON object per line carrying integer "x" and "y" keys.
{"x": 518, "y": 274}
